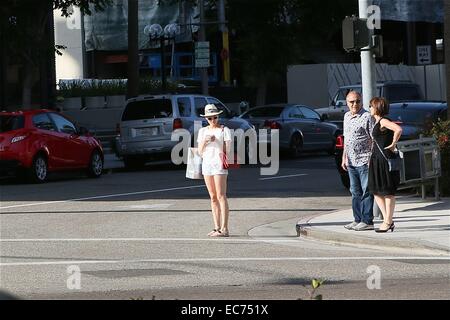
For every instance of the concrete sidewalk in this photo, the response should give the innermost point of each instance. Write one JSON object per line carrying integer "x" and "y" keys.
{"x": 421, "y": 227}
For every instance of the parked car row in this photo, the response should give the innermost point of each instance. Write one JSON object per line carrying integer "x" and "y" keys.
{"x": 393, "y": 91}
{"x": 37, "y": 142}
{"x": 414, "y": 117}
{"x": 300, "y": 128}
{"x": 147, "y": 123}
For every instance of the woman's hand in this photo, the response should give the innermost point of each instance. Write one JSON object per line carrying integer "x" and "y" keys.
{"x": 391, "y": 147}
{"x": 209, "y": 139}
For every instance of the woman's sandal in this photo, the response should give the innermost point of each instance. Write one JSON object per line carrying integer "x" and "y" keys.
{"x": 224, "y": 233}
{"x": 213, "y": 232}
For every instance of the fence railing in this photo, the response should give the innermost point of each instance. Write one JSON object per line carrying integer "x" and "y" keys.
{"x": 421, "y": 164}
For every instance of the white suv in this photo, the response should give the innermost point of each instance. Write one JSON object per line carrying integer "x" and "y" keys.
{"x": 147, "y": 124}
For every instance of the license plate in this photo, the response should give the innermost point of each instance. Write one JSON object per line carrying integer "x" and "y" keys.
{"x": 147, "y": 131}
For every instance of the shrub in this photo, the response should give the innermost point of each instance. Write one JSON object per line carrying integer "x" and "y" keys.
{"x": 441, "y": 131}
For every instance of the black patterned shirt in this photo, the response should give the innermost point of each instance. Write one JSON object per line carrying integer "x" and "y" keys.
{"x": 357, "y": 137}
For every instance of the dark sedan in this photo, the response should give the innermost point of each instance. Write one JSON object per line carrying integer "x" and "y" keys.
{"x": 414, "y": 117}
{"x": 301, "y": 128}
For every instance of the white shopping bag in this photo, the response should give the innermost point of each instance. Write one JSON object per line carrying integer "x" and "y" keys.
{"x": 194, "y": 164}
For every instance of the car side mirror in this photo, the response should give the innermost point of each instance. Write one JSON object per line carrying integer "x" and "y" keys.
{"x": 82, "y": 131}
{"x": 324, "y": 117}
{"x": 333, "y": 103}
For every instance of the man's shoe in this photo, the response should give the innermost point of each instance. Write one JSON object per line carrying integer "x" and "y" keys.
{"x": 362, "y": 226}
{"x": 350, "y": 226}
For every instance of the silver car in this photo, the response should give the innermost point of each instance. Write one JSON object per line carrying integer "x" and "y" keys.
{"x": 301, "y": 128}
{"x": 147, "y": 124}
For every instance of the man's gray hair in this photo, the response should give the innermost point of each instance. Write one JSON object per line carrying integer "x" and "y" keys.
{"x": 355, "y": 92}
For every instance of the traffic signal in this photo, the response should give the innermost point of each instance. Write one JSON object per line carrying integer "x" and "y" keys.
{"x": 355, "y": 34}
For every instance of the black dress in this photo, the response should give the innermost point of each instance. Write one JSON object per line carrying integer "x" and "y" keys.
{"x": 381, "y": 180}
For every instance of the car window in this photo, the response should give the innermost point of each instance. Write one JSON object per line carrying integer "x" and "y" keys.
{"x": 200, "y": 104}
{"x": 63, "y": 125}
{"x": 267, "y": 112}
{"x": 295, "y": 113}
{"x": 309, "y": 114}
{"x": 402, "y": 93}
{"x": 147, "y": 109}
{"x": 10, "y": 123}
{"x": 184, "y": 106}
{"x": 226, "y": 113}
{"x": 412, "y": 116}
{"x": 43, "y": 122}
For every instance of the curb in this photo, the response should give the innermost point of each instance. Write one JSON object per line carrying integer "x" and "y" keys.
{"x": 304, "y": 229}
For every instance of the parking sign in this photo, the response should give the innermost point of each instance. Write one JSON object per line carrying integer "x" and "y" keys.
{"x": 423, "y": 55}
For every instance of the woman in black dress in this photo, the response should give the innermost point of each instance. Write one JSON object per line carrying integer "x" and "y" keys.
{"x": 382, "y": 182}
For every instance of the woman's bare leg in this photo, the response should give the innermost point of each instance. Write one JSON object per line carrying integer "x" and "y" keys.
{"x": 381, "y": 204}
{"x": 215, "y": 207}
{"x": 390, "y": 207}
{"x": 220, "y": 182}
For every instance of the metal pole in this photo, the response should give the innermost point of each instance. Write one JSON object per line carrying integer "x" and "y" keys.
{"x": 225, "y": 42}
{"x": 367, "y": 62}
{"x": 83, "y": 47}
{"x": 447, "y": 49}
{"x": 436, "y": 189}
{"x": 133, "y": 49}
{"x": 202, "y": 37}
{"x": 163, "y": 65}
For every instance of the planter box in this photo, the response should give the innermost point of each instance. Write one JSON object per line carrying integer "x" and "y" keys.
{"x": 73, "y": 103}
{"x": 115, "y": 101}
{"x": 94, "y": 102}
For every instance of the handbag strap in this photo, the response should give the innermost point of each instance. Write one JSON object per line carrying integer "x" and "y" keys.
{"x": 224, "y": 148}
{"x": 380, "y": 150}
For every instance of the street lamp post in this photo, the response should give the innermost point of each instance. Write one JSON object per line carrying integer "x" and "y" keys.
{"x": 156, "y": 32}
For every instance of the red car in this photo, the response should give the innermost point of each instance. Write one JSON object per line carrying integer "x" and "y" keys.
{"x": 43, "y": 141}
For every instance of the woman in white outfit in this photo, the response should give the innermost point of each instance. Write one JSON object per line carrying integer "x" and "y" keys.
{"x": 211, "y": 141}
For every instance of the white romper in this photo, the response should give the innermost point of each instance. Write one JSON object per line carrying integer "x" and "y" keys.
{"x": 211, "y": 160}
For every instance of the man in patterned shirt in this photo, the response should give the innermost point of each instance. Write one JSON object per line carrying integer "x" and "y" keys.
{"x": 355, "y": 159}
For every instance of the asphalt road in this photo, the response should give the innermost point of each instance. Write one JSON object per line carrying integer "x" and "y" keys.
{"x": 142, "y": 234}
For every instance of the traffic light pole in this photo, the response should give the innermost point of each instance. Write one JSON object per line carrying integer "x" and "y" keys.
{"x": 202, "y": 37}
{"x": 367, "y": 62}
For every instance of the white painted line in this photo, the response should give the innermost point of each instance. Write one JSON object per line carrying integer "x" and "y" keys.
{"x": 281, "y": 177}
{"x": 218, "y": 239}
{"x": 101, "y": 197}
{"x": 228, "y": 259}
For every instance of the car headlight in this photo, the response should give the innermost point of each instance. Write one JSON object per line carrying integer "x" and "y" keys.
{"x": 17, "y": 139}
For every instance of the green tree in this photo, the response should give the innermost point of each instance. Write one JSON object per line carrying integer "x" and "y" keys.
{"x": 25, "y": 23}
{"x": 271, "y": 34}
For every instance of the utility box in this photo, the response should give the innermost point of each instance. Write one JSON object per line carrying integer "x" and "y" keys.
{"x": 355, "y": 34}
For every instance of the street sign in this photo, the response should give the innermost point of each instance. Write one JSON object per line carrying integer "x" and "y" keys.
{"x": 423, "y": 55}
{"x": 202, "y": 44}
{"x": 202, "y": 54}
{"x": 202, "y": 63}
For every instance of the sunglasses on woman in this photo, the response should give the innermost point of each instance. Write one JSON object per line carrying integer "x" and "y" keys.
{"x": 212, "y": 118}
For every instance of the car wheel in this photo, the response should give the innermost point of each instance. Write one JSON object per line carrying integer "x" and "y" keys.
{"x": 95, "y": 165}
{"x": 332, "y": 149}
{"x": 296, "y": 146}
{"x": 133, "y": 162}
{"x": 39, "y": 170}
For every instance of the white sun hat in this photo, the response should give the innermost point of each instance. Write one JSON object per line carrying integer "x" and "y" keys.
{"x": 211, "y": 110}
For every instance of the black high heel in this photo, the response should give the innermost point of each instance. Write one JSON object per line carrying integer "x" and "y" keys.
{"x": 391, "y": 228}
